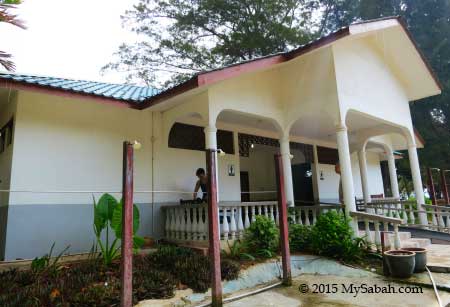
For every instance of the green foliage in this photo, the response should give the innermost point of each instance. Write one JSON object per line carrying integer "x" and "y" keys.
{"x": 332, "y": 236}
{"x": 237, "y": 250}
{"x": 6, "y": 16}
{"x": 108, "y": 215}
{"x": 202, "y": 35}
{"x": 190, "y": 268}
{"x": 183, "y": 37}
{"x": 152, "y": 283}
{"x": 46, "y": 264}
{"x": 261, "y": 238}
{"x": 229, "y": 269}
{"x": 299, "y": 237}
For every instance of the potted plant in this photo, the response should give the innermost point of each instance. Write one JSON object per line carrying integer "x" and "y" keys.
{"x": 421, "y": 258}
{"x": 401, "y": 263}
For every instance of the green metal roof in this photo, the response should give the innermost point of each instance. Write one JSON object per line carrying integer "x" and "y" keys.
{"x": 122, "y": 92}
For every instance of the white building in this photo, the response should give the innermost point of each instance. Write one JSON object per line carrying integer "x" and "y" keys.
{"x": 345, "y": 96}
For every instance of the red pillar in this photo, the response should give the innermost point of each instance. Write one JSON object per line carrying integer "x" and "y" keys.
{"x": 284, "y": 234}
{"x": 127, "y": 227}
{"x": 213, "y": 229}
{"x": 431, "y": 190}
{"x": 444, "y": 187}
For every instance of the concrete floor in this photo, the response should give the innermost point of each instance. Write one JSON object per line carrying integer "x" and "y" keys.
{"x": 438, "y": 255}
{"x": 291, "y": 296}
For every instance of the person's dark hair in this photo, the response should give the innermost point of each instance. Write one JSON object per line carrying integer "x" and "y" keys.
{"x": 200, "y": 171}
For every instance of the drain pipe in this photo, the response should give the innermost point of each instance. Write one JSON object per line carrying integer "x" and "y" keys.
{"x": 244, "y": 295}
{"x": 434, "y": 287}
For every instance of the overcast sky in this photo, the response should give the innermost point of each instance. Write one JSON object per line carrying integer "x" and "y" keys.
{"x": 67, "y": 38}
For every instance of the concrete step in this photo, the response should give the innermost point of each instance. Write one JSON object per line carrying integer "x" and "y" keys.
{"x": 416, "y": 242}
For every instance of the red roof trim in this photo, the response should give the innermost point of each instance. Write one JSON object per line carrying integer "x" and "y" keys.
{"x": 318, "y": 43}
{"x": 172, "y": 92}
{"x": 214, "y": 76}
{"x": 235, "y": 70}
{"x": 18, "y": 85}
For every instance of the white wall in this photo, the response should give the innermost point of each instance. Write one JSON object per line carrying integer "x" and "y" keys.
{"x": 365, "y": 83}
{"x": 67, "y": 144}
{"x": 329, "y": 186}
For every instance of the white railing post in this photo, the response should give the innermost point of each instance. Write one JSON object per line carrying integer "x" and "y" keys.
{"x": 225, "y": 225}
{"x": 240, "y": 224}
{"x": 277, "y": 215}
{"x": 396, "y": 237}
{"x": 367, "y": 229}
{"x": 189, "y": 233}
{"x": 306, "y": 212}
{"x": 247, "y": 219}
{"x": 253, "y": 213}
{"x": 272, "y": 217}
{"x": 377, "y": 234}
{"x": 233, "y": 227}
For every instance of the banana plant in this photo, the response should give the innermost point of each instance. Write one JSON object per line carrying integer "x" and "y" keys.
{"x": 108, "y": 216}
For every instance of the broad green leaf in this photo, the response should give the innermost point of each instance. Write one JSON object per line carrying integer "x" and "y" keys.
{"x": 106, "y": 205}
{"x": 138, "y": 242}
{"x": 116, "y": 221}
{"x": 99, "y": 221}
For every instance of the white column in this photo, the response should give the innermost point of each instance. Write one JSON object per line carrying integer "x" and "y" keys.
{"x": 363, "y": 170}
{"x": 393, "y": 174}
{"x": 287, "y": 170}
{"x": 346, "y": 172}
{"x": 417, "y": 181}
{"x": 315, "y": 173}
{"x": 211, "y": 143}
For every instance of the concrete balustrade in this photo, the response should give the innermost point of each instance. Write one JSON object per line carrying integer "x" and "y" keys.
{"x": 378, "y": 220}
{"x": 189, "y": 222}
{"x": 438, "y": 217}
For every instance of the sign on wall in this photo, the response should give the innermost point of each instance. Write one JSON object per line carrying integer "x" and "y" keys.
{"x": 231, "y": 170}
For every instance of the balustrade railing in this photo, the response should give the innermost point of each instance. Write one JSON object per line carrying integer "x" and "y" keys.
{"x": 307, "y": 215}
{"x": 438, "y": 217}
{"x": 374, "y": 237}
{"x": 189, "y": 222}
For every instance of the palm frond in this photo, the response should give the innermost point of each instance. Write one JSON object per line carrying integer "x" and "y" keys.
{"x": 6, "y": 16}
{"x": 6, "y": 62}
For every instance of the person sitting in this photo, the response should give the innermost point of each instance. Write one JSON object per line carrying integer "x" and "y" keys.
{"x": 201, "y": 184}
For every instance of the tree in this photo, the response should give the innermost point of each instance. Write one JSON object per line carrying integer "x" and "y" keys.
{"x": 182, "y": 37}
{"x": 429, "y": 22}
{"x": 5, "y": 16}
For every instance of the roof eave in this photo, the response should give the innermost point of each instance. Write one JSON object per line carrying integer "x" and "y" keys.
{"x": 66, "y": 93}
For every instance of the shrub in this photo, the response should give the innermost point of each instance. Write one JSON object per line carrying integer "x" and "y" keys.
{"x": 193, "y": 271}
{"x": 237, "y": 251}
{"x": 332, "y": 236}
{"x": 261, "y": 238}
{"x": 229, "y": 269}
{"x": 299, "y": 237}
{"x": 189, "y": 268}
{"x": 152, "y": 283}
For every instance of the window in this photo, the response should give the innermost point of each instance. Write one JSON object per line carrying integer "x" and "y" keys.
{"x": 327, "y": 155}
{"x": 6, "y": 135}
{"x": 192, "y": 137}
